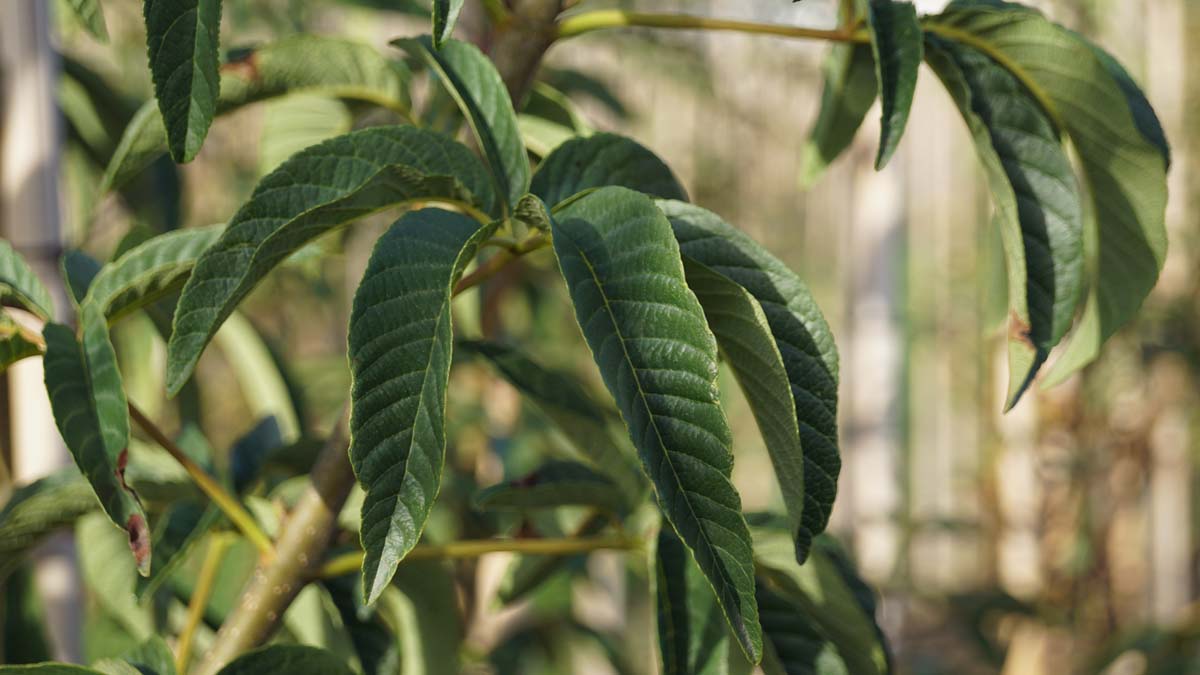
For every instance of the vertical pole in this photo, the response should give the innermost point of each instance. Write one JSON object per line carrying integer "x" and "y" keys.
{"x": 29, "y": 151}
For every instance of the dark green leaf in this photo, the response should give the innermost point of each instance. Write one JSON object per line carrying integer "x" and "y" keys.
{"x": 1125, "y": 172}
{"x": 48, "y": 669}
{"x": 400, "y": 350}
{"x": 250, "y": 452}
{"x": 185, "y": 524}
{"x": 801, "y": 335}
{"x": 377, "y": 647}
{"x": 290, "y": 659}
{"x": 818, "y": 592}
{"x": 39, "y": 508}
{"x": 148, "y": 271}
{"x": 473, "y": 82}
{"x": 19, "y": 284}
{"x": 848, "y": 93}
{"x": 1143, "y": 114}
{"x": 91, "y": 16}
{"x": 423, "y": 610}
{"x": 315, "y": 191}
{"x": 1037, "y": 202}
{"x": 659, "y": 360}
{"x": 22, "y": 618}
{"x": 794, "y": 646}
{"x": 298, "y": 64}
{"x": 896, "y": 42}
{"x": 91, "y": 416}
{"x": 445, "y": 14}
{"x": 13, "y": 345}
{"x": 692, "y": 638}
{"x": 181, "y": 39}
{"x": 600, "y": 160}
{"x": 744, "y": 337}
{"x": 555, "y": 484}
{"x": 78, "y": 270}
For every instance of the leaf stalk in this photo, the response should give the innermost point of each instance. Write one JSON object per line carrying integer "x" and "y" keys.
{"x": 619, "y": 18}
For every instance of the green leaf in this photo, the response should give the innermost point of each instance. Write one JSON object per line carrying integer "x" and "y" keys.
{"x": 658, "y": 359}
{"x": 13, "y": 345}
{"x": 801, "y": 335}
{"x": 794, "y": 646}
{"x": 896, "y": 42}
{"x": 23, "y": 633}
{"x": 110, "y": 574}
{"x": 376, "y": 646}
{"x": 818, "y": 591}
{"x": 39, "y": 508}
{"x": 1124, "y": 171}
{"x": 599, "y": 160}
{"x": 183, "y": 525}
{"x": 1037, "y": 202}
{"x": 445, "y": 14}
{"x": 181, "y": 39}
{"x": 321, "y": 188}
{"x": 422, "y": 608}
{"x": 250, "y": 452}
{"x": 291, "y": 659}
{"x": 692, "y": 638}
{"x": 400, "y": 350}
{"x": 92, "y": 417}
{"x": 584, "y": 422}
{"x": 78, "y": 271}
{"x": 476, "y": 87}
{"x": 745, "y": 339}
{"x": 91, "y": 17}
{"x": 552, "y": 485}
{"x": 148, "y": 271}
{"x": 298, "y": 64}
{"x": 152, "y": 656}
{"x": 848, "y": 93}
{"x": 20, "y": 285}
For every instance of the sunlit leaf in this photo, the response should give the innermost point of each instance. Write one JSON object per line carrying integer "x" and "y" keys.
{"x": 20, "y": 285}
{"x": 14, "y": 345}
{"x": 39, "y": 508}
{"x": 445, "y": 14}
{"x": 659, "y": 360}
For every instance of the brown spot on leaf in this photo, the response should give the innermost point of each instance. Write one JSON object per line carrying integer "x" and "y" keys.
{"x": 139, "y": 542}
{"x": 1019, "y": 330}
{"x": 244, "y": 66}
{"x": 527, "y": 481}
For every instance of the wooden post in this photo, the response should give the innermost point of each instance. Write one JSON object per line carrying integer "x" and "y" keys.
{"x": 29, "y": 151}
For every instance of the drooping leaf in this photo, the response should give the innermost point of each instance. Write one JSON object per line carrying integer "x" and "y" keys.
{"x": 1124, "y": 170}
{"x": 658, "y": 359}
{"x": 48, "y": 669}
{"x": 583, "y": 420}
{"x": 744, "y": 336}
{"x": 600, "y": 160}
{"x": 20, "y": 285}
{"x": 110, "y": 575}
{"x": 39, "y": 508}
{"x": 819, "y": 592}
{"x": 473, "y": 82}
{"x": 85, "y": 410}
{"x": 321, "y": 188}
{"x": 182, "y": 39}
{"x": 445, "y": 14}
{"x": 400, "y": 350}
{"x": 1037, "y": 202}
{"x": 291, "y": 659}
{"x": 298, "y": 64}
{"x": 78, "y": 269}
{"x": 848, "y": 93}
{"x": 896, "y": 42}
{"x": 14, "y": 346}
{"x": 148, "y": 271}
{"x": 794, "y": 646}
{"x": 801, "y": 335}
{"x": 692, "y": 638}
{"x": 552, "y": 485}
{"x": 1143, "y": 113}
{"x": 91, "y": 17}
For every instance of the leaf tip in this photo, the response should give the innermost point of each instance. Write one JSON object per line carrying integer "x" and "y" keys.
{"x": 139, "y": 542}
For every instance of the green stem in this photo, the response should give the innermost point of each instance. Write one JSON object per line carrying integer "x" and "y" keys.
{"x": 497, "y": 12}
{"x": 200, "y": 596}
{"x": 352, "y": 562}
{"x": 228, "y": 504}
{"x": 504, "y": 258}
{"x": 619, "y": 18}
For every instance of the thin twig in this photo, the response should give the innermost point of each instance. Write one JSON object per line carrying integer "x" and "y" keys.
{"x": 200, "y": 596}
{"x": 473, "y": 548}
{"x": 228, "y": 503}
{"x": 618, "y": 18}
{"x": 494, "y": 264}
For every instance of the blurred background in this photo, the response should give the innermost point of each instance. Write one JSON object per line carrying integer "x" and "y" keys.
{"x": 1058, "y": 538}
